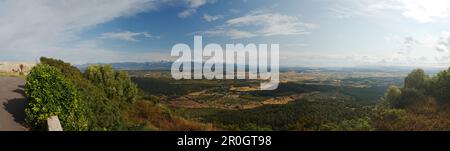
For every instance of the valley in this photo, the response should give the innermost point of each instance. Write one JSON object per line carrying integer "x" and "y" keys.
{"x": 309, "y": 98}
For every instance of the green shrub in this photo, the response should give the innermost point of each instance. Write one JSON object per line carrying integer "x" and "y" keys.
{"x": 393, "y": 95}
{"x": 104, "y": 93}
{"x": 117, "y": 85}
{"x": 66, "y": 69}
{"x": 417, "y": 79}
{"x": 440, "y": 86}
{"x": 50, "y": 93}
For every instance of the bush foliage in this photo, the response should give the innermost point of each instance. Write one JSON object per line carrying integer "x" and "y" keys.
{"x": 100, "y": 102}
{"x": 50, "y": 94}
{"x": 98, "y": 99}
{"x": 420, "y": 87}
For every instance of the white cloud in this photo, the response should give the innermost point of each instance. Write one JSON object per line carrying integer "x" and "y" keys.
{"x": 407, "y": 43}
{"x": 89, "y": 52}
{"x": 443, "y": 43}
{"x": 232, "y": 33}
{"x": 210, "y": 18}
{"x": 442, "y": 47}
{"x": 272, "y": 23}
{"x": 237, "y": 34}
{"x": 425, "y": 10}
{"x": 30, "y": 28}
{"x": 187, "y": 13}
{"x": 196, "y": 3}
{"x": 192, "y": 6}
{"x": 351, "y": 8}
{"x": 261, "y": 23}
{"x": 125, "y": 35}
{"x": 423, "y": 48}
{"x": 422, "y": 11}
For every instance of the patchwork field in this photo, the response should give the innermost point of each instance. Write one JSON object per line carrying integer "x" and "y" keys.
{"x": 303, "y": 101}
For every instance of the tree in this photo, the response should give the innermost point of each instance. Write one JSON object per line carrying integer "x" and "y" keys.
{"x": 50, "y": 93}
{"x": 440, "y": 86}
{"x": 66, "y": 69}
{"x": 393, "y": 95}
{"x": 117, "y": 85}
{"x": 409, "y": 98}
{"x": 417, "y": 79}
{"x": 21, "y": 69}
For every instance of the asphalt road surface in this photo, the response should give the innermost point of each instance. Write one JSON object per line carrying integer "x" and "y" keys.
{"x": 12, "y": 102}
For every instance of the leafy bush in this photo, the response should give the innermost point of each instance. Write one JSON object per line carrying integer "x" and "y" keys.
{"x": 422, "y": 104}
{"x": 104, "y": 100}
{"x": 416, "y": 90}
{"x": 393, "y": 95}
{"x": 440, "y": 86}
{"x": 417, "y": 79}
{"x": 50, "y": 93}
{"x": 66, "y": 69}
{"x": 116, "y": 85}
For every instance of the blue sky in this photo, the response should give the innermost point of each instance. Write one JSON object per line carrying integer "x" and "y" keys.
{"x": 310, "y": 32}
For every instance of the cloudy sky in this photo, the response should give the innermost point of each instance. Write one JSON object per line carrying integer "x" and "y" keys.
{"x": 310, "y": 32}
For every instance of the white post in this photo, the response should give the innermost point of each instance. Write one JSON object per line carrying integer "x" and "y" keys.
{"x": 54, "y": 124}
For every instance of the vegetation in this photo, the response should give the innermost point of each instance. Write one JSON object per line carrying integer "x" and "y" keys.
{"x": 21, "y": 70}
{"x": 154, "y": 116}
{"x": 419, "y": 88}
{"x": 316, "y": 112}
{"x": 102, "y": 112}
{"x": 98, "y": 99}
{"x": 422, "y": 104}
{"x": 101, "y": 98}
{"x": 50, "y": 94}
{"x": 116, "y": 85}
{"x": 360, "y": 124}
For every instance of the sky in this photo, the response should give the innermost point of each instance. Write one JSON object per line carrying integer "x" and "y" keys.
{"x": 311, "y": 33}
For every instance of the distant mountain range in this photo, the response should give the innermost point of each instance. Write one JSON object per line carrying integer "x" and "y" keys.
{"x": 166, "y": 65}
{"x": 159, "y": 65}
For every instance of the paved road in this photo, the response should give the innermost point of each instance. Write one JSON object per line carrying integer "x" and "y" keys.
{"x": 12, "y": 103}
